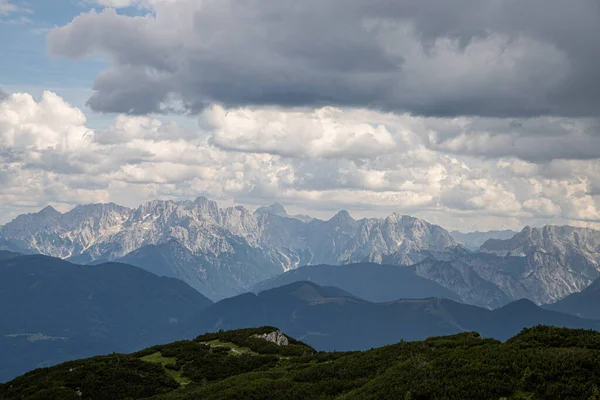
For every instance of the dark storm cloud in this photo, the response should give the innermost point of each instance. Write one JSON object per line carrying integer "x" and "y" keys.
{"x": 536, "y": 140}
{"x": 466, "y": 57}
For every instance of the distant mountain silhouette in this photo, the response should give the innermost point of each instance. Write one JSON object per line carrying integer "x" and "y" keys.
{"x": 54, "y": 311}
{"x": 331, "y": 319}
{"x": 368, "y": 281}
{"x": 5, "y": 254}
{"x": 474, "y": 240}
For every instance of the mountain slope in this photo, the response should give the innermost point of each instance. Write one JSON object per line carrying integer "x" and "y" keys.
{"x": 215, "y": 275}
{"x": 460, "y": 276}
{"x": 53, "y": 310}
{"x": 560, "y": 260}
{"x": 538, "y": 363}
{"x": 541, "y": 274}
{"x": 549, "y": 239}
{"x": 585, "y": 304}
{"x": 368, "y": 281}
{"x": 329, "y": 319}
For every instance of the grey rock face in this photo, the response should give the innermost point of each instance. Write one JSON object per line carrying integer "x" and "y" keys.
{"x": 560, "y": 260}
{"x": 464, "y": 280}
{"x": 548, "y": 239}
{"x": 274, "y": 209}
{"x": 343, "y": 240}
{"x": 540, "y": 264}
{"x": 275, "y": 337}
{"x": 64, "y": 235}
{"x": 219, "y": 251}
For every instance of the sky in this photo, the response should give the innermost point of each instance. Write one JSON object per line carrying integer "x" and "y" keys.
{"x": 472, "y": 114}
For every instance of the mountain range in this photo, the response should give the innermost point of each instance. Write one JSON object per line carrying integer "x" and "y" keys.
{"x": 220, "y": 252}
{"x": 223, "y": 252}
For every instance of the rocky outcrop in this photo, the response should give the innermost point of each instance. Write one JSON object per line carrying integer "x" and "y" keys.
{"x": 274, "y": 337}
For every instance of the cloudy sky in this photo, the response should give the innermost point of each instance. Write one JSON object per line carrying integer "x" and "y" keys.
{"x": 474, "y": 114}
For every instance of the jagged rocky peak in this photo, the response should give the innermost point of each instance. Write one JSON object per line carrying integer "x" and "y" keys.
{"x": 407, "y": 223}
{"x": 273, "y": 209}
{"x": 342, "y": 217}
{"x": 89, "y": 221}
{"x": 587, "y": 237}
{"x": 394, "y": 218}
{"x": 64, "y": 235}
{"x": 206, "y": 206}
{"x": 240, "y": 221}
{"x": 152, "y": 208}
{"x": 172, "y": 212}
{"x": 27, "y": 224}
{"x": 95, "y": 210}
{"x": 275, "y": 337}
{"x": 48, "y": 211}
{"x": 549, "y": 238}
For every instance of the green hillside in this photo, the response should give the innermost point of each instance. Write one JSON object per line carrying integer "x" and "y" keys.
{"x": 539, "y": 363}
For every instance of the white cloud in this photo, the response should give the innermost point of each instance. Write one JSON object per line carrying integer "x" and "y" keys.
{"x": 126, "y": 129}
{"x": 27, "y": 124}
{"x": 326, "y": 132}
{"x": 325, "y": 159}
{"x": 13, "y": 14}
{"x": 117, "y": 3}
{"x": 6, "y": 7}
{"x": 129, "y": 3}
